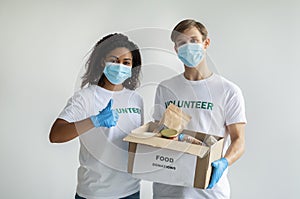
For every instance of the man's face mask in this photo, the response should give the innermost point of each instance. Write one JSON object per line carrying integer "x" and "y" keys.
{"x": 191, "y": 54}
{"x": 116, "y": 73}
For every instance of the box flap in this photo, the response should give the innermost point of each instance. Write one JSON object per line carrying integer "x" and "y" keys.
{"x": 157, "y": 141}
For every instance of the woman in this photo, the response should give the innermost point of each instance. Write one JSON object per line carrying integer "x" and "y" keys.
{"x": 102, "y": 113}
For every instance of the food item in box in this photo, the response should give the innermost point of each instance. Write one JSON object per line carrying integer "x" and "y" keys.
{"x": 173, "y": 118}
{"x": 169, "y": 133}
{"x": 210, "y": 140}
{"x": 173, "y": 134}
{"x": 190, "y": 139}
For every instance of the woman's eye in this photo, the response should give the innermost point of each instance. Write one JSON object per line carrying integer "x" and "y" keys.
{"x": 127, "y": 63}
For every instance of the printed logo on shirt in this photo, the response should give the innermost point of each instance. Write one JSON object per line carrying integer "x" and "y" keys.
{"x": 128, "y": 110}
{"x": 191, "y": 104}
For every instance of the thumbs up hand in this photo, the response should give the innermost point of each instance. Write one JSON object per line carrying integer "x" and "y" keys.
{"x": 106, "y": 118}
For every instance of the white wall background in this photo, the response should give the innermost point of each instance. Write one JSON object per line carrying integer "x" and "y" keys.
{"x": 42, "y": 47}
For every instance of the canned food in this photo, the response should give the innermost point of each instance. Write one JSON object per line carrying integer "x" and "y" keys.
{"x": 169, "y": 133}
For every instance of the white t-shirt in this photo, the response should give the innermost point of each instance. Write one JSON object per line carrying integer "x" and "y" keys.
{"x": 213, "y": 104}
{"x": 103, "y": 154}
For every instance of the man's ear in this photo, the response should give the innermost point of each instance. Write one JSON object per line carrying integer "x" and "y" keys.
{"x": 206, "y": 43}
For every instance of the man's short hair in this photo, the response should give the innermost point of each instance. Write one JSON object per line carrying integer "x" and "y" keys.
{"x": 187, "y": 24}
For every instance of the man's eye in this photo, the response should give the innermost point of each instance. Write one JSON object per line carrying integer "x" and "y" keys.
{"x": 195, "y": 41}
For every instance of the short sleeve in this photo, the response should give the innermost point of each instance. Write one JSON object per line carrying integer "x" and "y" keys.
{"x": 235, "y": 108}
{"x": 75, "y": 110}
{"x": 159, "y": 108}
{"x": 140, "y": 102}
{"x": 142, "y": 112}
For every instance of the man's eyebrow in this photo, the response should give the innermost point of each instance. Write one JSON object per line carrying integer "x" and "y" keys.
{"x": 179, "y": 40}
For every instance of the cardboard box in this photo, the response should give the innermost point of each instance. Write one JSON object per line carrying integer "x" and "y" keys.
{"x": 162, "y": 160}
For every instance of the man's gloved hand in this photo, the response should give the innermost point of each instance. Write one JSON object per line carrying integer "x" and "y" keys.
{"x": 106, "y": 118}
{"x": 218, "y": 167}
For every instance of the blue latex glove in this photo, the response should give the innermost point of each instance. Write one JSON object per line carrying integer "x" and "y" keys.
{"x": 218, "y": 167}
{"x": 106, "y": 118}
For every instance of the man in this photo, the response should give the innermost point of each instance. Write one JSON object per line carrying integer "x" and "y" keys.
{"x": 215, "y": 104}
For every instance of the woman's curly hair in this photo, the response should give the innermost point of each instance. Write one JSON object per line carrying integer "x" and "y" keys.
{"x": 95, "y": 64}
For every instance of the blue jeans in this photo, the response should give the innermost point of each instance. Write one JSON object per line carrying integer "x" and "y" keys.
{"x": 133, "y": 196}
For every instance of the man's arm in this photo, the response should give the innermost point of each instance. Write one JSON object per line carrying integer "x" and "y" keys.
{"x": 237, "y": 146}
{"x": 233, "y": 153}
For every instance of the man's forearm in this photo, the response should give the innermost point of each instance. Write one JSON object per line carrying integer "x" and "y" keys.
{"x": 237, "y": 146}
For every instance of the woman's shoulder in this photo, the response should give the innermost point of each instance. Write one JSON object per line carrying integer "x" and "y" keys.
{"x": 84, "y": 93}
{"x": 86, "y": 90}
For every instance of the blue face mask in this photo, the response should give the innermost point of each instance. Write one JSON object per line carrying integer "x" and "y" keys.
{"x": 116, "y": 73}
{"x": 191, "y": 54}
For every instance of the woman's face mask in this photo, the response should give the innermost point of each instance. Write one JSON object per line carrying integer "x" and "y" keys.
{"x": 191, "y": 54}
{"x": 116, "y": 73}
